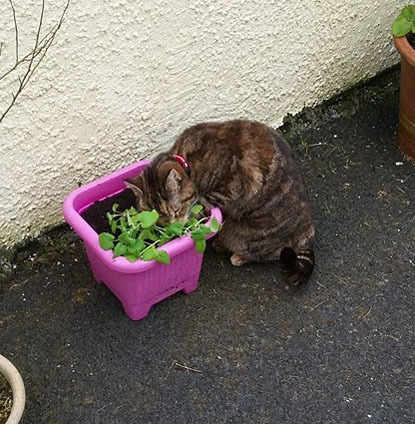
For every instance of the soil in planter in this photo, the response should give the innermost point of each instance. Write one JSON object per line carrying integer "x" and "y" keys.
{"x": 95, "y": 215}
{"x": 6, "y": 399}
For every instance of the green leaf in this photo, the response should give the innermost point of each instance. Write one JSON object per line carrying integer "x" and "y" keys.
{"x": 201, "y": 232}
{"x": 123, "y": 224}
{"x": 162, "y": 257}
{"x": 135, "y": 219}
{"x": 200, "y": 245}
{"x": 404, "y": 22}
{"x": 106, "y": 241}
{"x": 131, "y": 257}
{"x": 132, "y": 210}
{"x": 149, "y": 254}
{"x": 191, "y": 222}
{"x": 205, "y": 229}
{"x": 198, "y": 234}
{"x": 114, "y": 226}
{"x": 119, "y": 250}
{"x": 175, "y": 228}
{"x": 136, "y": 247}
{"x": 408, "y": 12}
{"x": 164, "y": 238}
{"x": 196, "y": 209}
{"x": 140, "y": 245}
{"x": 148, "y": 219}
{"x": 401, "y": 27}
{"x": 148, "y": 235}
{"x": 134, "y": 232}
{"x": 126, "y": 238}
{"x": 214, "y": 224}
{"x": 115, "y": 206}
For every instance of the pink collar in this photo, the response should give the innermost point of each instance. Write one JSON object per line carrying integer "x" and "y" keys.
{"x": 183, "y": 163}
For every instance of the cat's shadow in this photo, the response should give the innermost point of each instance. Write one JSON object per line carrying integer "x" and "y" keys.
{"x": 217, "y": 268}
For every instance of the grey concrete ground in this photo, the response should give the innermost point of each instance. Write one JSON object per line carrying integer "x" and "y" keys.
{"x": 242, "y": 349}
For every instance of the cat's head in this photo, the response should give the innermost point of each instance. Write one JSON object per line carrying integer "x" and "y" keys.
{"x": 165, "y": 187}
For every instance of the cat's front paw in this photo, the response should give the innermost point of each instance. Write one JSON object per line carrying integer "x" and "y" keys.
{"x": 238, "y": 260}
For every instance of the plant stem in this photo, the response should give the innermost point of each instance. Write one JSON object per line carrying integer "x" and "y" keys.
{"x": 192, "y": 227}
{"x": 148, "y": 247}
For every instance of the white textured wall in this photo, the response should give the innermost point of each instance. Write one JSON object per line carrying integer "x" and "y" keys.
{"x": 125, "y": 77}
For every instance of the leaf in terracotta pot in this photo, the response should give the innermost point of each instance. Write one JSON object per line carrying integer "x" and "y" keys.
{"x": 106, "y": 241}
{"x": 404, "y": 22}
{"x": 148, "y": 219}
{"x": 401, "y": 27}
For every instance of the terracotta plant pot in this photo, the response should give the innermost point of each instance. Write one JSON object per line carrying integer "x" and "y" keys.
{"x": 406, "y": 130}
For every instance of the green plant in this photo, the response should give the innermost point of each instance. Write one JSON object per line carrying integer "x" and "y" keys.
{"x": 404, "y": 23}
{"x": 136, "y": 235}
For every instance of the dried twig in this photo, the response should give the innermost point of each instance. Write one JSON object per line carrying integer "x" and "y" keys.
{"x": 185, "y": 367}
{"x": 34, "y": 57}
{"x": 16, "y": 31}
{"x": 366, "y": 314}
{"x": 313, "y": 308}
{"x": 28, "y": 56}
{"x": 362, "y": 317}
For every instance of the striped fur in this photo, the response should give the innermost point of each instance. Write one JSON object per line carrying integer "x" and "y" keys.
{"x": 248, "y": 170}
{"x": 296, "y": 267}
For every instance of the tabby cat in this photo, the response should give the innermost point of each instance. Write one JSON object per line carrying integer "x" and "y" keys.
{"x": 247, "y": 170}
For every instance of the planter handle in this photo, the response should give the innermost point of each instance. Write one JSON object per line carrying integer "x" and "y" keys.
{"x": 17, "y": 385}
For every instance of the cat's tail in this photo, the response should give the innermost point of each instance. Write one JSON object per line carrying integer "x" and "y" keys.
{"x": 296, "y": 267}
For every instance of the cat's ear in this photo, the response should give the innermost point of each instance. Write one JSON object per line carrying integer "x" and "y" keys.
{"x": 130, "y": 183}
{"x": 173, "y": 181}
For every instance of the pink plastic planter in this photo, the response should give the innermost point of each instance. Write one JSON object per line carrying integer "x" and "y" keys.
{"x": 138, "y": 285}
